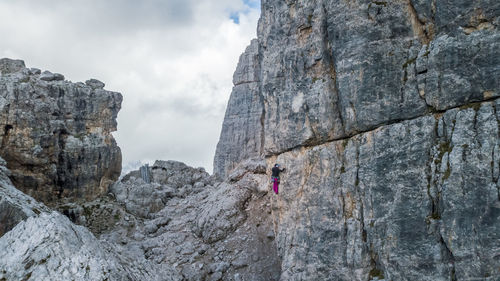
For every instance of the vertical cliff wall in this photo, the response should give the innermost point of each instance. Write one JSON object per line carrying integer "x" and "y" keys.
{"x": 386, "y": 115}
{"x": 56, "y": 135}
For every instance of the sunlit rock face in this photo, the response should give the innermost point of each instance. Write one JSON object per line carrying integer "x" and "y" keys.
{"x": 386, "y": 116}
{"x": 56, "y": 135}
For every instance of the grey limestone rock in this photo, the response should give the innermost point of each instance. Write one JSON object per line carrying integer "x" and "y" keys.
{"x": 57, "y": 135}
{"x": 15, "y": 206}
{"x": 9, "y": 65}
{"x": 95, "y": 84}
{"x": 385, "y": 114}
{"x": 140, "y": 198}
{"x": 165, "y": 180}
{"x": 254, "y": 166}
{"x": 49, "y": 76}
{"x": 425, "y": 188}
{"x": 241, "y": 136}
{"x": 221, "y": 213}
{"x": 40, "y": 244}
{"x": 206, "y": 229}
{"x": 35, "y": 70}
{"x": 61, "y": 251}
{"x": 322, "y": 70}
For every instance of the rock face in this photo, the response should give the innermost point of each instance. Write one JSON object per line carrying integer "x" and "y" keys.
{"x": 386, "y": 116}
{"x": 242, "y": 135}
{"x": 15, "y": 206}
{"x": 321, "y": 71}
{"x": 425, "y": 188}
{"x": 56, "y": 135}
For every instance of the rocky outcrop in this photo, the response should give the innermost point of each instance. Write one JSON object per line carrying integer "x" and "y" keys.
{"x": 40, "y": 244}
{"x": 56, "y": 135}
{"x": 183, "y": 223}
{"x": 15, "y": 206}
{"x": 242, "y": 135}
{"x": 385, "y": 114}
{"x": 206, "y": 229}
{"x": 166, "y": 179}
{"x": 61, "y": 250}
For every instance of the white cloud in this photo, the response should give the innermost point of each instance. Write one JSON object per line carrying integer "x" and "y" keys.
{"x": 172, "y": 60}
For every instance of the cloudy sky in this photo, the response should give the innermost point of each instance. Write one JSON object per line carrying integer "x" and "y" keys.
{"x": 172, "y": 60}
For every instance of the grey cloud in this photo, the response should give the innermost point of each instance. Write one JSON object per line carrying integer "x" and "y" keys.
{"x": 127, "y": 15}
{"x": 183, "y": 106}
{"x": 116, "y": 15}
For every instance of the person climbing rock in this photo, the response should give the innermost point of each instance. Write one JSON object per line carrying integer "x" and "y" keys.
{"x": 275, "y": 177}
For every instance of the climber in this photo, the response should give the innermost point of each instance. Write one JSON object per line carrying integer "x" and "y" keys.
{"x": 275, "y": 177}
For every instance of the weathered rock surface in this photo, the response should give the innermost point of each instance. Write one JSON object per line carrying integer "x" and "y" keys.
{"x": 242, "y": 135}
{"x": 385, "y": 114}
{"x": 425, "y": 188}
{"x": 56, "y": 135}
{"x": 207, "y": 229}
{"x": 15, "y": 206}
{"x": 50, "y": 247}
{"x": 323, "y": 70}
{"x": 40, "y": 244}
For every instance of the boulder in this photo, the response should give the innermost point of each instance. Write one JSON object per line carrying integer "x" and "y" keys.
{"x": 56, "y": 136}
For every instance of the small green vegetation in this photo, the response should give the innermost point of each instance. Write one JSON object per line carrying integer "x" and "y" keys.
{"x": 344, "y": 143}
{"x": 443, "y": 148}
{"x": 315, "y": 79}
{"x": 88, "y": 211}
{"x": 375, "y": 272}
{"x": 342, "y": 169}
{"x": 474, "y": 105}
{"x": 435, "y": 216}
{"x": 380, "y": 3}
{"x": 408, "y": 62}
